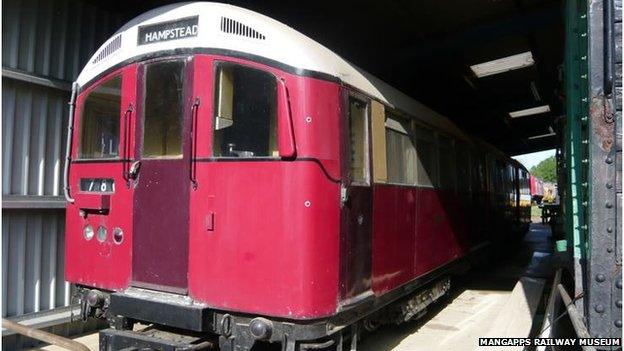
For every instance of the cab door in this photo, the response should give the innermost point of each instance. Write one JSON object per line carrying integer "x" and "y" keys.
{"x": 161, "y": 174}
{"x": 356, "y": 201}
{"x": 99, "y": 221}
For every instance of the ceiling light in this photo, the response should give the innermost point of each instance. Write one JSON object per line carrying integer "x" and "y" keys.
{"x": 530, "y": 111}
{"x": 504, "y": 64}
{"x": 542, "y": 136}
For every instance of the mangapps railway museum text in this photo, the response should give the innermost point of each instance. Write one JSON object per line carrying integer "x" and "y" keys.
{"x": 550, "y": 342}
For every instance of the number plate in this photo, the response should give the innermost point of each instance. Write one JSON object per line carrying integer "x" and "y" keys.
{"x": 97, "y": 185}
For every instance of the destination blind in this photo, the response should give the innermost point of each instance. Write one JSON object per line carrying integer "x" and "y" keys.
{"x": 170, "y": 30}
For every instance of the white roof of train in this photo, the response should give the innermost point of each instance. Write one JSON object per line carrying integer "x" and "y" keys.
{"x": 259, "y": 35}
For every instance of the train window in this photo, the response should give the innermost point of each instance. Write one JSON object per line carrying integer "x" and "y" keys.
{"x": 245, "y": 121}
{"x": 481, "y": 164}
{"x": 463, "y": 167}
{"x": 99, "y": 131}
{"x": 426, "y": 165}
{"x": 163, "y": 109}
{"x": 400, "y": 151}
{"x": 475, "y": 172}
{"x": 358, "y": 132}
{"x": 447, "y": 163}
{"x": 500, "y": 177}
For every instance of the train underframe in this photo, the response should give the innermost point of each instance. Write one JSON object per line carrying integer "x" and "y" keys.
{"x": 176, "y": 322}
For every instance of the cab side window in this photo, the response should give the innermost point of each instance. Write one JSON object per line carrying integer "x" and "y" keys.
{"x": 245, "y": 114}
{"x": 99, "y": 121}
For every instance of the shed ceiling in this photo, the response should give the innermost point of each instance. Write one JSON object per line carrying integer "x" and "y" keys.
{"x": 425, "y": 48}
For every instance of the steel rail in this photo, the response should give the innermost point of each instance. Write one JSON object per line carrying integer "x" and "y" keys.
{"x": 44, "y": 336}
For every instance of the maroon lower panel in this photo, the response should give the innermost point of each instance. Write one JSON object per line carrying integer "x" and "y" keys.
{"x": 161, "y": 215}
{"x": 356, "y": 242}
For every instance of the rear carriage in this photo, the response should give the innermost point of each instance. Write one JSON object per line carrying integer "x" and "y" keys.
{"x": 229, "y": 176}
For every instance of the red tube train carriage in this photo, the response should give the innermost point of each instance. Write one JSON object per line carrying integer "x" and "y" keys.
{"x": 231, "y": 178}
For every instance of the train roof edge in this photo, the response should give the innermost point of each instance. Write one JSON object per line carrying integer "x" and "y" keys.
{"x": 235, "y": 29}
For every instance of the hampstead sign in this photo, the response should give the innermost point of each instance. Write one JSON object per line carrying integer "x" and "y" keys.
{"x": 170, "y": 30}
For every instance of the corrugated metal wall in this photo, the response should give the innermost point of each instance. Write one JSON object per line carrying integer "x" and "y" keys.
{"x": 34, "y": 119}
{"x": 33, "y": 254}
{"x": 45, "y": 43}
{"x": 52, "y": 38}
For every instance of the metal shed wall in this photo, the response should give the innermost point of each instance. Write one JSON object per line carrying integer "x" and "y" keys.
{"x": 44, "y": 46}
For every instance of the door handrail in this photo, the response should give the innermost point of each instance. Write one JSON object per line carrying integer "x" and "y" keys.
{"x": 126, "y": 152}
{"x": 68, "y": 148}
{"x": 193, "y": 144}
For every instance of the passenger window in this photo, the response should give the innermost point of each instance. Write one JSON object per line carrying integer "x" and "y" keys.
{"x": 358, "y": 135}
{"x": 400, "y": 151}
{"x": 99, "y": 122}
{"x": 427, "y": 167}
{"x": 477, "y": 172}
{"x": 163, "y": 109}
{"x": 245, "y": 121}
{"x": 447, "y": 163}
{"x": 463, "y": 167}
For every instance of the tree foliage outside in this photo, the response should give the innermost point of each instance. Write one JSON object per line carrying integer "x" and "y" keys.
{"x": 546, "y": 170}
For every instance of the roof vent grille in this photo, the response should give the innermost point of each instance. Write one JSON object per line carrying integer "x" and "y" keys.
{"x": 231, "y": 26}
{"x": 111, "y": 47}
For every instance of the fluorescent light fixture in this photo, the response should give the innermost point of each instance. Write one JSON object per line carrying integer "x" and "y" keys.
{"x": 504, "y": 64}
{"x": 530, "y": 111}
{"x": 542, "y": 136}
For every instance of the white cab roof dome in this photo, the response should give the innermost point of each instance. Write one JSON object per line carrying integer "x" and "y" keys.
{"x": 208, "y": 25}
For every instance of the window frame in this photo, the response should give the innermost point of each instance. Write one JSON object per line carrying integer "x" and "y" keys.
{"x": 79, "y": 122}
{"x": 463, "y": 147}
{"x": 216, "y": 63}
{"x": 187, "y": 87}
{"x": 397, "y": 117}
{"x": 451, "y": 149}
{"x": 430, "y": 137}
{"x": 367, "y": 134}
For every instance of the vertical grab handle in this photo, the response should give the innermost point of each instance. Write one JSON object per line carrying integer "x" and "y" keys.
{"x": 193, "y": 144}
{"x": 68, "y": 148}
{"x": 126, "y": 143}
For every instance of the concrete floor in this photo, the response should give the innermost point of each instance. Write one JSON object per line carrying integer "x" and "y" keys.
{"x": 495, "y": 301}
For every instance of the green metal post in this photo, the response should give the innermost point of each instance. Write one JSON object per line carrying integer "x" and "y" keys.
{"x": 575, "y": 133}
